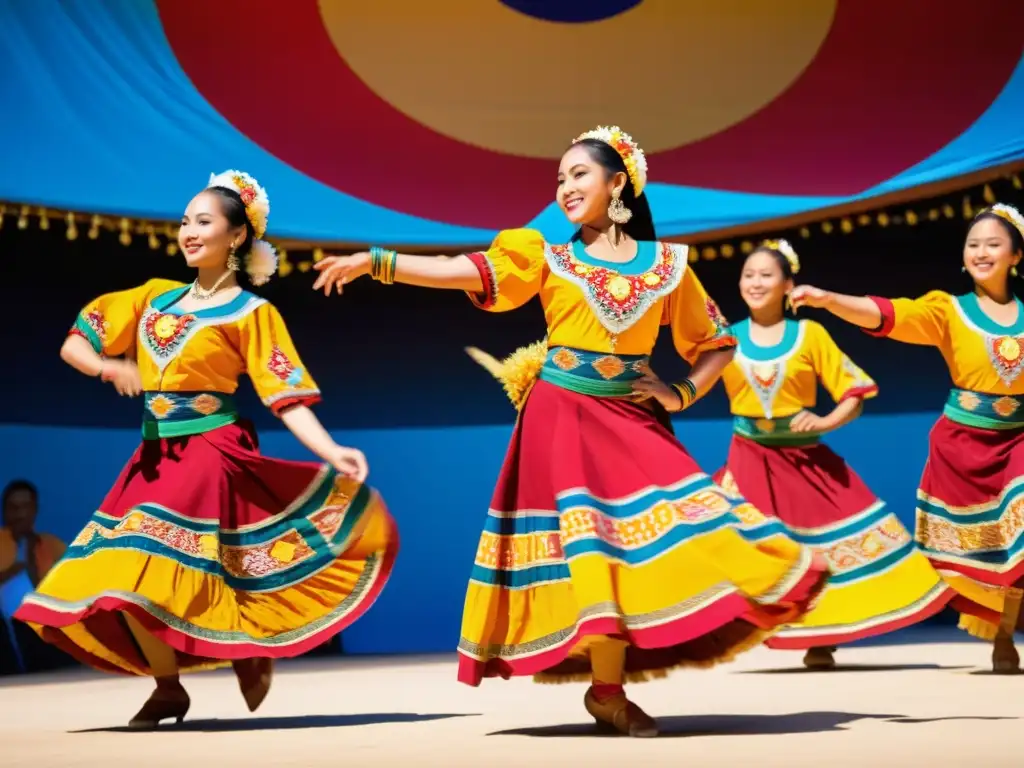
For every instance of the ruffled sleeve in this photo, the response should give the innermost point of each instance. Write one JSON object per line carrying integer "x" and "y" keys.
{"x": 511, "y": 270}
{"x": 924, "y": 320}
{"x": 272, "y": 362}
{"x": 109, "y": 323}
{"x": 838, "y": 373}
{"x": 697, "y": 323}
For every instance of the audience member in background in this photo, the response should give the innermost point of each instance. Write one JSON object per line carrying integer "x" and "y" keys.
{"x": 969, "y": 520}
{"x": 881, "y": 581}
{"x": 206, "y": 552}
{"x": 607, "y": 554}
{"x": 26, "y": 555}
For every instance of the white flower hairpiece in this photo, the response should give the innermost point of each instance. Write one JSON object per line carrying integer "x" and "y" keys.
{"x": 632, "y": 156}
{"x": 261, "y": 262}
{"x": 787, "y": 251}
{"x": 1010, "y": 214}
{"x": 254, "y": 197}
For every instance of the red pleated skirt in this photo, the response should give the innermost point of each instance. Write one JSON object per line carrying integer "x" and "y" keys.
{"x": 880, "y": 580}
{"x": 970, "y": 514}
{"x": 220, "y": 552}
{"x": 602, "y": 524}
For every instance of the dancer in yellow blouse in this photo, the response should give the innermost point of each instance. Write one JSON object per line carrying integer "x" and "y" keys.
{"x": 607, "y": 554}
{"x": 969, "y": 520}
{"x": 206, "y": 552}
{"x": 880, "y": 581}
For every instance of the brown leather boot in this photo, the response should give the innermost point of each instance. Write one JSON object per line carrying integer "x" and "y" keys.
{"x": 820, "y": 658}
{"x": 1005, "y": 659}
{"x": 619, "y": 715}
{"x": 169, "y": 701}
{"x": 254, "y": 678}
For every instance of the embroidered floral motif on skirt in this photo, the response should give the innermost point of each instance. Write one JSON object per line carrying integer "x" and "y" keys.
{"x": 970, "y": 517}
{"x": 220, "y": 552}
{"x": 602, "y": 524}
{"x": 880, "y": 580}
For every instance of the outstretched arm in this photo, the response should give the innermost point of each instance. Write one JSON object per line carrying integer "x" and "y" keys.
{"x": 504, "y": 277}
{"x": 308, "y": 430}
{"x": 286, "y": 387}
{"x": 924, "y": 320}
{"x": 454, "y": 272}
{"x": 858, "y": 310}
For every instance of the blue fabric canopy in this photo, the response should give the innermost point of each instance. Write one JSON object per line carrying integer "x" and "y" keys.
{"x": 125, "y": 107}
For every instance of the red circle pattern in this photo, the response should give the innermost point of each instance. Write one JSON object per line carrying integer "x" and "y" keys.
{"x": 892, "y": 84}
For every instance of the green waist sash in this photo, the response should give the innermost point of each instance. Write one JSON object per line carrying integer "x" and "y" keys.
{"x": 600, "y": 374}
{"x": 176, "y": 414}
{"x": 976, "y": 409}
{"x": 772, "y": 431}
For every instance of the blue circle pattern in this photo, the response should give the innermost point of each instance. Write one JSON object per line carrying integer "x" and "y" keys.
{"x": 571, "y": 11}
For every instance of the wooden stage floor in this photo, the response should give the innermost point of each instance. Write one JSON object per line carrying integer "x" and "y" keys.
{"x": 925, "y": 698}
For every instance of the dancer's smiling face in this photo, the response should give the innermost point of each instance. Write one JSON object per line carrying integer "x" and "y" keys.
{"x": 763, "y": 281}
{"x": 991, "y": 250}
{"x": 206, "y": 235}
{"x": 586, "y": 186}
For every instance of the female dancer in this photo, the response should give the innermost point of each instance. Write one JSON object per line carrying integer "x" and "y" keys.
{"x": 607, "y": 553}
{"x": 880, "y": 581}
{"x": 969, "y": 513}
{"x": 205, "y": 551}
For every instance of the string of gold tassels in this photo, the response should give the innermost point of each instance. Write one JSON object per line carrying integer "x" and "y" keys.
{"x": 301, "y": 258}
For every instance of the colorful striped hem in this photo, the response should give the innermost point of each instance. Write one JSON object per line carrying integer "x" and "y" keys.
{"x": 54, "y": 614}
{"x": 982, "y": 541}
{"x": 694, "y": 618}
{"x": 530, "y": 548}
{"x": 994, "y": 575}
{"x": 860, "y": 547}
{"x": 802, "y": 638}
{"x": 272, "y": 555}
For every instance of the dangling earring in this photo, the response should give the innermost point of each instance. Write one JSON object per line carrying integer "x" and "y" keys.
{"x": 233, "y": 264}
{"x": 1013, "y": 271}
{"x": 617, "y": 211}
{"x": 963, "y": 269}
{"x": 789, "y": 303}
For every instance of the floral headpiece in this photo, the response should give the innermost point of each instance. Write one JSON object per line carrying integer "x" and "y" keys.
{"x": 1010, "y": 214}
{"x": 630, "y": 152}
{"x": 783, "y": 247}
{"x": 261, "y": 262}
{"x": 254, "y": 197}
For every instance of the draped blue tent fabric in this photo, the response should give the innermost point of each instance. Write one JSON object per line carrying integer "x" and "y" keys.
{"x": 121, "y": 107}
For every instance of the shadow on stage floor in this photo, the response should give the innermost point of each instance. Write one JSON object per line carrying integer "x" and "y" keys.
{"x": 740, "y": 725}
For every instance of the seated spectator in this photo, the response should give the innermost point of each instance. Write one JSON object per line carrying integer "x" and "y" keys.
{"x": 25, "y": 557}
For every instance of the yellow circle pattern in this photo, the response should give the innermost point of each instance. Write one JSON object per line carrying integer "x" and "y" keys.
{"x": 668, "y": 72}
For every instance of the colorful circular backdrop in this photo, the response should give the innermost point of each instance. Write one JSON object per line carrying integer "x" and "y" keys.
{"x": 440, "y": 122}
{"x": 453, "y": 111}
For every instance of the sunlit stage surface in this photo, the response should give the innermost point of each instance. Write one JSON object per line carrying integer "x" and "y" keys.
{"x": 924, "y": 697}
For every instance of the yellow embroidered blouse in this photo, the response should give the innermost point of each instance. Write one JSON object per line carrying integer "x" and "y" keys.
{"x": 982, "y": 356}
{"x": 779, "y": 381}
{"x": 591, "y": 306}
{"x": 205, "y": 350}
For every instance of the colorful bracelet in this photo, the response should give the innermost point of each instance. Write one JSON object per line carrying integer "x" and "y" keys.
{"x": 687, "y": 393}
{"x": 382, "y": 264}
